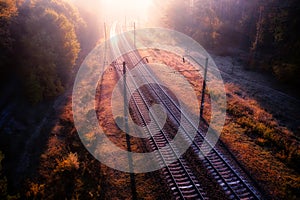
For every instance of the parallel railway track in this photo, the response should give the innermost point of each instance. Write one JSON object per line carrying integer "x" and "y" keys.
{"x": 179, "y": 175}
{"x": 182, "y": 181}
{"x": 219, "y": 166}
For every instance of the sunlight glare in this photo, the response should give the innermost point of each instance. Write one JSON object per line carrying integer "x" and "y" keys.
{"x": 129, "y": 8}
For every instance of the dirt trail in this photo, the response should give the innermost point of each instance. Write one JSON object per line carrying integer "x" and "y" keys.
{"x": 283, "y": 106}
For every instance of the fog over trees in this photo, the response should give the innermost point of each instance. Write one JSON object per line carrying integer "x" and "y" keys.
{"x": 267, "y": 29}
{"x": 44, "y": 42}
{"x": 41, "y": 41}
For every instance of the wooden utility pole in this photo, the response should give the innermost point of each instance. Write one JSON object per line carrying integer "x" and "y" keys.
{"x": 105, "y": 44}
{"x": 125, "y": 22}
{"x": 130, "y": 160}
{"x": 203, "y": 83}
{"x": 134, "y": 42}
{"x": 192, "y": 6}
{"x": 203, "y": 89}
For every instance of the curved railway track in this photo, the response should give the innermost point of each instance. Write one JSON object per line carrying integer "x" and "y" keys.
{"x": 182, "y": 181}
{"x": 219, "y": 166}
{"x": 179, "y": 175}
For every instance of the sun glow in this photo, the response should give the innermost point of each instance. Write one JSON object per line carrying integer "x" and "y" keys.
{"x": 117, "y": 9}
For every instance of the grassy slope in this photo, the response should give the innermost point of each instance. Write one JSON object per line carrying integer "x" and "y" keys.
{"x": 264, "y": 145}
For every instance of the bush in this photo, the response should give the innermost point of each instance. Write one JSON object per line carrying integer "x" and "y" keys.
{"x": 287, "y": 73}
{"x": 68, "y": 164}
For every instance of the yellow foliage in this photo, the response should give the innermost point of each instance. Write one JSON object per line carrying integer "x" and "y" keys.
{"x": 35, "y": 190}
{"x": 69, "y": 163}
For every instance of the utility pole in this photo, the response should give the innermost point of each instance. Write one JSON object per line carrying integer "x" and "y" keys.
{"x": 130, "y": 161}
{"x": 204, "y": 81}
{"x": 203, "y": 88}
{"x": 192, "y": 6}
{"x": 105, "y": 36}
{"x": 125, "y": 22}
{"x": 105, "y": 43}
{"x": 125, "y": 93}
{"x": 134, "y": 40}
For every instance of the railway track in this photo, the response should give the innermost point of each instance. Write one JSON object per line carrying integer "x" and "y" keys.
{"x": 218, "y": 165}
{"x": 179, "y": 175}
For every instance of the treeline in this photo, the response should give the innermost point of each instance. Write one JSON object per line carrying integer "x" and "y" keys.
{"x": 277, "y": 39}
{"x": 3, "y": 182}
{"x": 268, "y": 30}
{"x": 40, "y": 41}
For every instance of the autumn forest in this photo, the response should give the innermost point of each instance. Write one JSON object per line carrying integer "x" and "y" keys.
{"x": 43, "y": 43}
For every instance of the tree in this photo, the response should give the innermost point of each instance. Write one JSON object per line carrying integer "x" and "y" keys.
{"x": 3, "y": 183}
{"x": 8, "y": 11}
{"x": 277, "y": 38}
{"x": 3, "y": 180}
{"x": 198, "y": 20}
{"x": 47, "y": 47}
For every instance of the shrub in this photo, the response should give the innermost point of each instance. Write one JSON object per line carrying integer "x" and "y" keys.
{"x": 68, "y": 164}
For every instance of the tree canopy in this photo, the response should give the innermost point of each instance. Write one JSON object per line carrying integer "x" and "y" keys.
{"x": 8, "y": 12}
{"x": 40, "y": 41}
{"x": 267, "y": 29}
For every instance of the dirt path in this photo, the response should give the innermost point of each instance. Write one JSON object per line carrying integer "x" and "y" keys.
{"x": 283, "y": 106}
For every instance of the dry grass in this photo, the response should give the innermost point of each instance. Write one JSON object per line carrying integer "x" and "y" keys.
{"x": 67, "y": 170}
{"x": 268, "y": 150}
{"x": 118, "y": 185}
{"x": 261, "y": 126}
